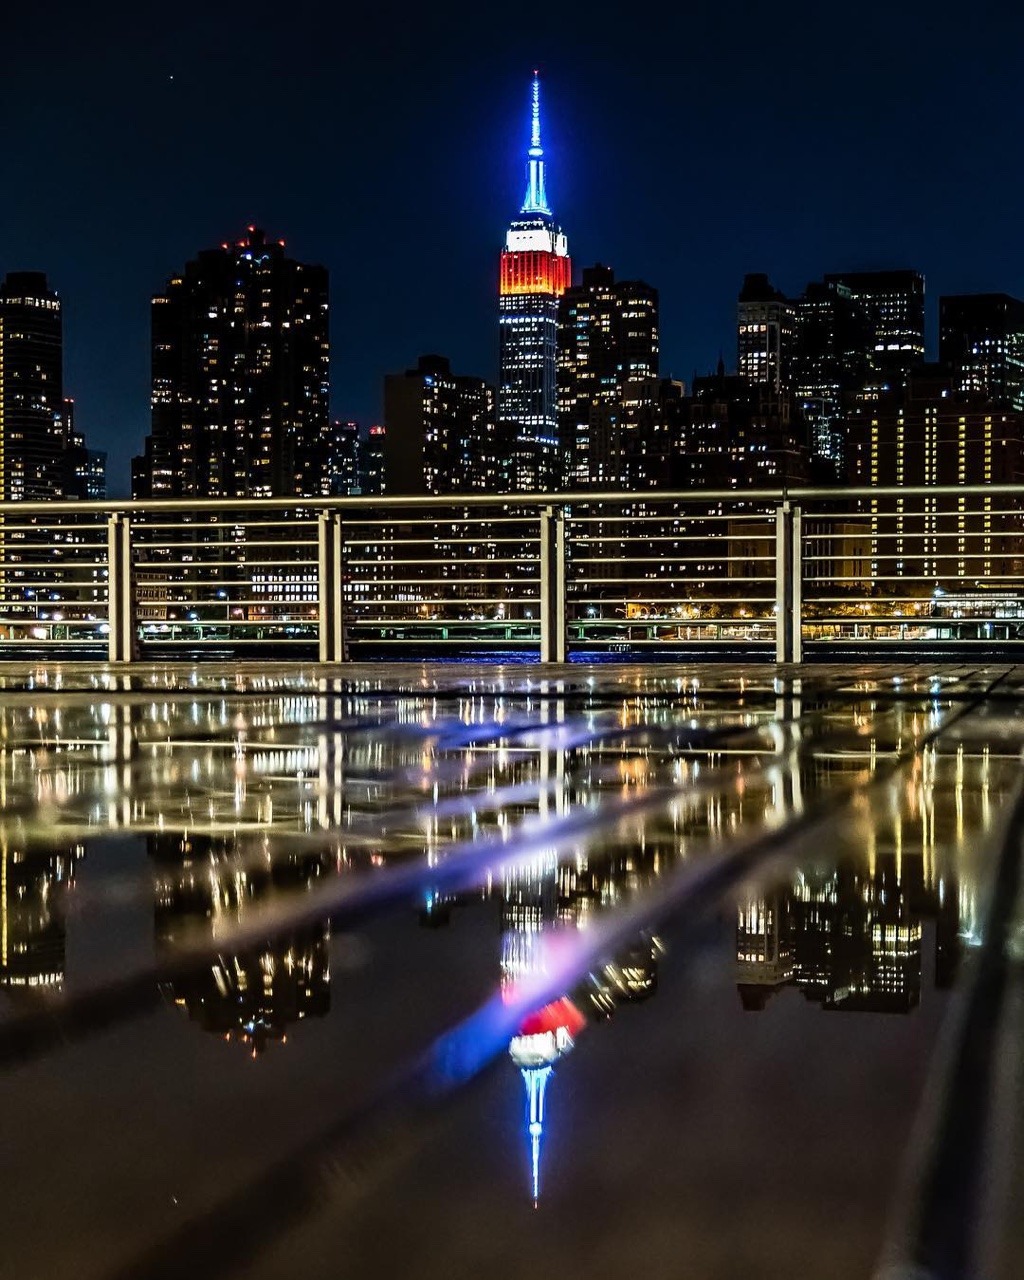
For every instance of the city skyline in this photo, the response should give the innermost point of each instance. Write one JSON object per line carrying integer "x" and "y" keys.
{"x": 678, "y": 218}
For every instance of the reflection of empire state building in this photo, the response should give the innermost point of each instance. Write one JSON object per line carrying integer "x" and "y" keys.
{"x": 535, "y": 272}
{"x": 33, "y": 935}
{"x": 537, "y": 903}
{"x": 204, "y": 886}
{"x": 528, "y": 912}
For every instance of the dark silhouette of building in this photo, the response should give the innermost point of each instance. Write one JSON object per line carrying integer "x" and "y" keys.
{"x": 830, "y": 365}
{"x": 32, "y": 430}
{"x": 33, "y": 933}
{"x": 239, "y": 376}
{"x": 439, "y": 430}
{"x": 535, "y": 272}
{"x": 342, "y": 475}
{"x": 372, "y": 480}
{"x": 893, "y": 306}
{"x": 657, "y": 457}
{"x": 253, "y": 996}
{"x": 739, "y": 435}
{"x": 850, "y": 938}
{"x": 981, "y": 343}
{"x": 608, "y": 344}
{"x": 848, "y": 339}
{"x": 85, "y": 470}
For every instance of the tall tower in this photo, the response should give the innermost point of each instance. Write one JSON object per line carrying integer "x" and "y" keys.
{"x": 239, "y": 377}
{"x": 607, "y": 377}
{"x": 31, "y": 388}
{"x": 535, "y": 272}
{"x": 765, "y": 325}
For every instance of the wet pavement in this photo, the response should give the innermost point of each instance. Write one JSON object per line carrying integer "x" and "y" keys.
{"x": 429, "y": 971}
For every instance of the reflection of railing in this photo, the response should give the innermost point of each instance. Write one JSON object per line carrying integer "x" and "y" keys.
{"x": 760, "y": 572}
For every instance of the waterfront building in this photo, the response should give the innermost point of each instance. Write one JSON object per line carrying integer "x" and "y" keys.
{"x": 608, "y": 345}
{"x": 439, "y": 430}
{"x": 535, "y": 271}
{"x": 239, "y": 376}
{"x": 981, "y": 343}
{"x": 932, "y": 434}
{"x": 32, "y": 431}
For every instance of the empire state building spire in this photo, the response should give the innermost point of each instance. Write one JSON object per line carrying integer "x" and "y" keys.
{"x": 535, "y": 272}
{"x": 536, "y": 200}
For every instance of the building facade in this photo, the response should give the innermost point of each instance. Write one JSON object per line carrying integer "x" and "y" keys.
{"x": 765, "y": 330}
{"x": 893, "y": 306}
{"x": 608, "y": 371}
{"x": 439, "y": 430}
{"x": 240, "y": 352}
{"x": 831, "y": 360}
{"x": 535, "y": 272}
{"x": 848, "y": 339}
{"x": 981, "y": 343}
{"x": 931, "y": 435}
{"x": 33, "y": 435}
{"x": 342, "y": 471}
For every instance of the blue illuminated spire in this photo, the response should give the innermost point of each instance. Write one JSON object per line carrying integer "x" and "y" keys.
{"x": 536, "y": 1080}
{"x": 536, "y": 200}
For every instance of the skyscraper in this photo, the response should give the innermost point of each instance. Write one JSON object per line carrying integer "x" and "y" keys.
{"x": 439, "y": 430}
{"x": 765, "y": 328}
{"x": 344, "y": 447}
{"x": 372, "y": 480}
{"x": 239, "y": 376}
{"x": 981, "y": 342}
{"x": 893, "y": 303}
{"x": 849, "y": 339}
{"x": 607, "y": 375}
{"x": 85, "y": 470}
{"x": 32, "y": 434}
{"x": 831, "y": 359}
{"x": 535, "y": 272}
{"x": 930, "y": 434}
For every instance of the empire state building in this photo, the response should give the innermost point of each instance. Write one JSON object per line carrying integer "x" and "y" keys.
{"x": 535, "y": 272}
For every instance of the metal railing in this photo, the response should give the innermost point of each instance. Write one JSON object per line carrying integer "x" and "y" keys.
{"x": 771, "y": 573}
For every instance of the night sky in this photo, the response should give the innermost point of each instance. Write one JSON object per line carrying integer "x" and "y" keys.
{"x": 687, "y": 144}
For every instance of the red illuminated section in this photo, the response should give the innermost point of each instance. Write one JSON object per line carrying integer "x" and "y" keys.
{"x": 559, "y": 1015}
{"x": 535, "y": 271}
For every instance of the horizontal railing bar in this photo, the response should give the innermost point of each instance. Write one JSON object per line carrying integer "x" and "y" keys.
{"x": 533, "y": 502}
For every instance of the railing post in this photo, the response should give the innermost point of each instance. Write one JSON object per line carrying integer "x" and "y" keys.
{"x": 796, "y": 578}
{"x": 552, "y": 585}
{"x": 331, "y": 622}
{"x": 788, "y": 584}
{"x": 121, "y": 639}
